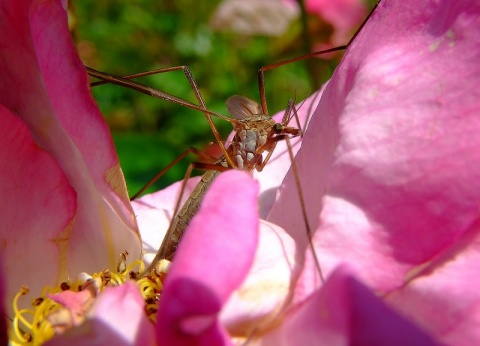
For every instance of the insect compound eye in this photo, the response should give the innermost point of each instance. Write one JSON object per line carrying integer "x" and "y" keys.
{"x": 277, "y": 128}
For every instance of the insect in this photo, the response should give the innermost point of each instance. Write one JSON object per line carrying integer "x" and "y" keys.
{"x": 255, "y": 133}
{"x": 245, "y": 112}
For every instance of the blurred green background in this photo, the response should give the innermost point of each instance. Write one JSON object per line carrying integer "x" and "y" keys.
{"x": 125, "y": 37}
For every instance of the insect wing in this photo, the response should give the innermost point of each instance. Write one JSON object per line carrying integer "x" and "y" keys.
{"x": 241, "y": 107}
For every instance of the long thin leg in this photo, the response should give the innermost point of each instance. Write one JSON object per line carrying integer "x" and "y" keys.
{"x": 261, "y": 77}
{"x": 166, "y": 251}
{"x": 185, "y": 70}
{"x": 286, "y": 119}
{"x": 149, "y": 73}
{"x": 196, "y": 151}
{"x": 168, "y": 97}
{"x": 261, "y": 84}
{"x": 304, "y": 210}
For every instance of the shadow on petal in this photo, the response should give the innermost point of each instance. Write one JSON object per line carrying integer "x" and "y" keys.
{"x": 345, "y": 312}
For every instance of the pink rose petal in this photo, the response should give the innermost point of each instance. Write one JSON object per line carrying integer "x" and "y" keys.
{"x": 3, "y": 324}
{"x": 33, "y": 213}
{"x": 215, "y": 255}
{"x": 444, "y": 298}
{"x": 258, "y": 302}
{"x": 76, "y": 302}
{"x": 342, "y": 14}
{"x": 118, "y": 318}
{"x": 345, "y": 312}
{"x": 43, "y": 82}
{"x": 390, "y": 153}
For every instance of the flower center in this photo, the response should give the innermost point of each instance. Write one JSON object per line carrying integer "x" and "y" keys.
{"x": 68, "y": 305}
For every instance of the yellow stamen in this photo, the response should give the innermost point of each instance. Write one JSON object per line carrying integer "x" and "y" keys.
{"x": 38, "y": 329}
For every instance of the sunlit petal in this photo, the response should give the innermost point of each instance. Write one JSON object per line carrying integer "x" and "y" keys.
{"x": 393, "y": 141}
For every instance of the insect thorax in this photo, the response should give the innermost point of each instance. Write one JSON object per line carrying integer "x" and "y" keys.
{"x": 252, "y": 134}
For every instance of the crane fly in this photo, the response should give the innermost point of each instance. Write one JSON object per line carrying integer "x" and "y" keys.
{"x": 255, "y": 133}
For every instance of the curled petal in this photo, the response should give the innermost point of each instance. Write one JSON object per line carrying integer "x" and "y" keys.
{"x": 117, "y": 318}
{"x": 214, "y": 257}
{"x": 260, "y": 300}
